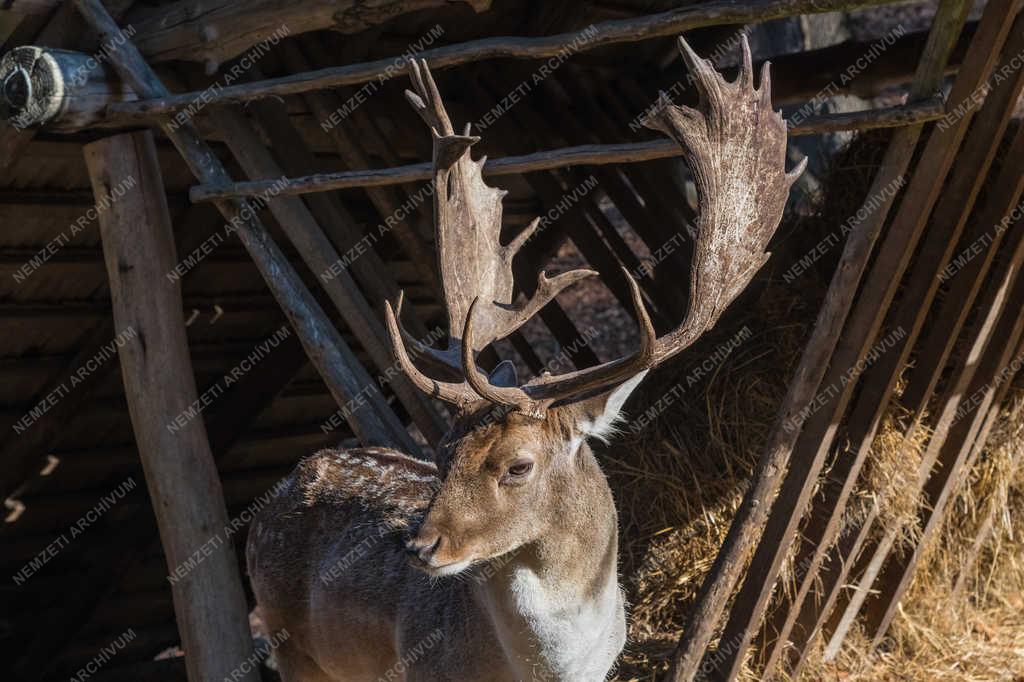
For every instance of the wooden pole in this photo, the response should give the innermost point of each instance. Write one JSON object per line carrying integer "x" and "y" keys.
{"x": 614, "y": 32}
{"x": 597, "y": 154}
{"x": 345, "y": 378}
{"x": 62, "y": 89}
{"x": 319, "y": 254}
{"x": 183, "y": 482}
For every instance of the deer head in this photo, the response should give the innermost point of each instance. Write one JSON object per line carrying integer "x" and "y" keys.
{"x": 517, "y": 452}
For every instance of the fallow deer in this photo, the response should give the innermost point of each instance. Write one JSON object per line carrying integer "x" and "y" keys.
{"x": 500, "y": 561}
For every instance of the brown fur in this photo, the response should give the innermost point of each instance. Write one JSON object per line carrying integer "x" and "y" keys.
{"x": 328, "y": 561}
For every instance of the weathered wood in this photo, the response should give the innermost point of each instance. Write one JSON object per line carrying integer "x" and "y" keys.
{"x": 335, "y": 362}
{"x": 863, "y": 327}
{"x": 61, "y": 89}
{"x": 320, "y": 255}
{"x": 668, "y": 23}
{"x": 386, "y": 201}
{"x": 752, "y": 516}
{"x": 213, "y": 31}
{"x": 927, "y": 110}
{"x": 181, "y": 476}
{"x": 989, "y": 351}
{"x": 949, "y": 219}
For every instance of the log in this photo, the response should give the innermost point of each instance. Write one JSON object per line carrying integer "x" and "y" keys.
{"x": 337, "y": 365}
{"x": 62, "y": 89}
{"x": 138, "y": 247}
{"x": 596, "y": 154}
{"x": 630, "y": 30}
{"x": 213, "y": 31}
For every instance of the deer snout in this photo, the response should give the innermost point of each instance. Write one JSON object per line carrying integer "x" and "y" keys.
{"x": 426, "y": 543}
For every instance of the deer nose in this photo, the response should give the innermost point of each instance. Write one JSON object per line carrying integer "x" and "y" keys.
{"x": 426, "y": 543}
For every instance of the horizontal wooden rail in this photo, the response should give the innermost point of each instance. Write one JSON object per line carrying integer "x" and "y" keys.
{"x": 601, "y": 34}
{"x": 593, "y": 154}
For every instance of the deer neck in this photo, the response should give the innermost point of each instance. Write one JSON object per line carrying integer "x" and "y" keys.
{"x": 555, "y": 603}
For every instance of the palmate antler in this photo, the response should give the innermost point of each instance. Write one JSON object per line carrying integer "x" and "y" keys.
{"x": 735, "y": 148}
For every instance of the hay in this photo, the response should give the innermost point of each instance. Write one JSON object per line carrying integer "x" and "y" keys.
{"x": 680, "y": 468}
{"x": 681, "y": 465}
{"x": 976, "y": 632}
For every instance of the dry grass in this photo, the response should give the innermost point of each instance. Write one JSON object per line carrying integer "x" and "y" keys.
{"x": 963, "y": 617}
{"x": 679, "y": 477}
{"x": 680, "y": 468}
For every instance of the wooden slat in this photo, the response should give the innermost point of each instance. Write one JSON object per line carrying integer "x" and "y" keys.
{"x": 864, "y": 325}
{"x": 752, "y": 516}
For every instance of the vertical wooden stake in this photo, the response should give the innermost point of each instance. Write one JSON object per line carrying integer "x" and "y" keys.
{"x": 138, "y": 247}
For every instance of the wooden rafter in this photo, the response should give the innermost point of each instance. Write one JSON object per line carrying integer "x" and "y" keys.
{"x": 898, "y": 116}
{"x": 668, "y": 23}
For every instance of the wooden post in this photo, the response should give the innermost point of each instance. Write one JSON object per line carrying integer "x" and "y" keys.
{"x": 138, "y": 247}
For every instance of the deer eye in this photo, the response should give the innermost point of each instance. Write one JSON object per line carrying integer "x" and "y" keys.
{"x": 517, "y": 470}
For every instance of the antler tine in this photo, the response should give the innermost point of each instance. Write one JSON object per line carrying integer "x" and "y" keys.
{"x": 546, "y": 389}
{"x": 427, "y": 99}
{"x": 457, "y": 394}
{"x": 500, "y": 395}
{"x": 736, "y": 150}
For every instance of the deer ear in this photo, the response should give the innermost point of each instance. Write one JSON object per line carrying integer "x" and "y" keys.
{"x": 600, "y": 413}
{"x": 504, "y": 374}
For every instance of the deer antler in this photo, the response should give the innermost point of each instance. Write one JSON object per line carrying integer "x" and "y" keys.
{"x": 474, "y": 265}
{"x": 735, "y": 147}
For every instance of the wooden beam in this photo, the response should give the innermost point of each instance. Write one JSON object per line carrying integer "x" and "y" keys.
{"x": 752, "y": 516}
{"x": 596, "y": 154}
{"x": 345, "y": 378}
{"x": 668, "y": 23}
{"x": 214, "y": 31}
{"x": 319, "y": 254}
{"x": 183, "y": 482}
{"x": 62, "y": 89}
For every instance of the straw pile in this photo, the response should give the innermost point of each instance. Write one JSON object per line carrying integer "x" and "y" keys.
{"x": 696, "y": 428}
